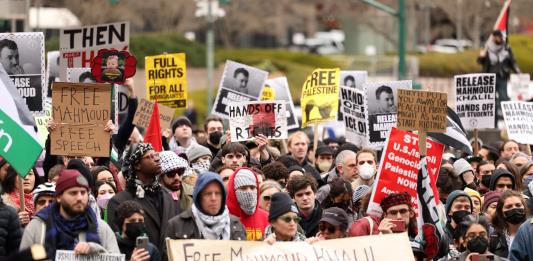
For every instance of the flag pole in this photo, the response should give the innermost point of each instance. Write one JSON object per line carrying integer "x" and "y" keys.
{"x": 476, "y": 144}
{"x": 315, "y": 141}
{"x": 21, "y": 194}
{"x": 422, "y": 135}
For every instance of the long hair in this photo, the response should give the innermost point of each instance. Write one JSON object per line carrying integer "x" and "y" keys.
{"x": 9, "y": 182}
{"x": 498, "y": 220}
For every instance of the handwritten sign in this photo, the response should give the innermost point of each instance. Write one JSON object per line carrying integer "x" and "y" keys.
{"x": 81, "y": 111}
{"x": 67, "y": 255}
{"x": 246, "y": 120}
{"x": 422, "y": 110}
{"x": 144, "y": 113}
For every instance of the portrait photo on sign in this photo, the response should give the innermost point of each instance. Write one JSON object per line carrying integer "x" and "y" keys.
{"x": 382, "y": 99}
{"x": 81, "y": 75}
{"x": 353, "y": 79}
{"x": 244, "y": 79}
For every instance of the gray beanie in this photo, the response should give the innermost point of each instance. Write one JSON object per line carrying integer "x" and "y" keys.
{"x": 461, "y": 166}
{"x": 198, "y": 151}
{"x": 244, "y": 177}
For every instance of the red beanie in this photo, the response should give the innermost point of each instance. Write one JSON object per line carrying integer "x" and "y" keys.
{"x": 69, "y": 178}
{"x": 395, "y": 199}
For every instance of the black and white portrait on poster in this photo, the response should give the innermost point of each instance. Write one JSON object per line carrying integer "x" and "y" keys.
{"x": 52, "y": 70}
{"x": 353, "y": 79}
{"x": 277, "y": 89}
{"x": 22, "y": 56}
{"x": 382, "y": 101}
{"x": 80, "y": 75}
{"x": 239, "y": 83}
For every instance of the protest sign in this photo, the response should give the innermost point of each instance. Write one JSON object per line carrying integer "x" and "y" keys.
{"x": 518, "y": 117}
{"x": 277, "y": 89}
{"x": 52, "y": 70}
{"x": 113, "y": 66}
{"x": 78, "y": 46}
{"x": 320, "y": 97}
{"x": 475, "y": 96}
{"x": 166, "y": 79}
{"x": 365, "y": 248}
{"x": 422, "y": 110}
{"x": 80, "y": 75}
{"x": 399, "y": 166}
{"x": 353, "y": 79}
{"x": 144, "y": 113}
{"x": 248, "y": 119}
{"x": 240, "y": 83}
{"x": 353, "y": 108}
{"x": 42, "y": 121}
{"x": 520, "y": 87}
{"x": 26, "y": 68}
{"x": 81, "y": 111}
{"x": 120, "y": 102}
{"x": 381, "y": 98}
{"x": 68, "y": 255}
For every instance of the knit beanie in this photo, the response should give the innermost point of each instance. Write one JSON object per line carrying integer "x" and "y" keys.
{"x": 453, "y": 196}
{"x": 280, "y": 204}
{"x": 395, "y": 199}
{"x": 489, "y": 198}
{"x": 474, "y": 194}
{"x": 181, "y": 121}
{"x": 70, "y": 178}
{"x": 461, "y": 166}
{"x": 244, "y": 177}
{"x": 197, "y": 151}
{"x": 170, "y": 162}
{"x": 247, "y": 199}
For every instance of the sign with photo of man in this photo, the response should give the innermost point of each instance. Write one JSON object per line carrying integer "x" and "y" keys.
{"x": 22, "y": 56}
{"x": 52, "y": 70}
{"x": 277, "y": 89}
{"x": 353, "y": 79}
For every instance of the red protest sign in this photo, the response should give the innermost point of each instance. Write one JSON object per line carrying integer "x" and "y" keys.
{"x": 113, "y": 66}
{"x": 398, "y": 171}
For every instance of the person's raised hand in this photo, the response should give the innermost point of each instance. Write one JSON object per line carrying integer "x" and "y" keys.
{"x": 271, "y": 239}
{"x": 228, "y": 136}
{"x": 51, "y": 125}
{"x": 82, "y": 248}
{"x": 109, "y": 127}
{"x": 24, "y": 218}
{"x": 129, "y": 83}
{"x": 139, "y": 254}
{"x": 385, "y": 227}
{"x": 261, "y": 141}
{"x": 166, "y": 133}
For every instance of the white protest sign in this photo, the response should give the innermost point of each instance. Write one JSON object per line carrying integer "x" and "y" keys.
{"x": 67, "y": 255}
{"x": 353, "y": 108}
{"x": 52, "y": 70}
{"x": 78, "y": 46}
{"x": 277, "y": 89}
{"x": 353, "y": 79}
{"x": 248, "y": 119}
{"x": 518, "y": 117}
{"x": 475, "y": 96}
{"x": 519, "y": 87}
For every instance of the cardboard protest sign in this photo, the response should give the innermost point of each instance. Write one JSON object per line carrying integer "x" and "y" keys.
{"x": 320, "y": 97}
{"x": 353, "y": 79}
{"x": 399, "y": 166}
{"x": 353, "y": 108}
{"x": 52, "y": 70}
{"x": 370, "y": 248}
{"x": 382, "y": 101}
{"x": 422, "y": 110}
{"x": 521, "y": 89}
{"x": 518, "y": 117}
{"x": 248, "y": 119}
{"x": 81, "y": 111}
{"x": 166, "y": 79}
{"x": 144, "y": 113}
{"x": 240, "y": 83}
{"x": 68, "y": 255}
{"x": 277, "y": 89}
{"x": 113, "y": 66}
{"x": 23, "y": 60}
{"x": 475, "y": 100}
{"x": 78, "y": 46}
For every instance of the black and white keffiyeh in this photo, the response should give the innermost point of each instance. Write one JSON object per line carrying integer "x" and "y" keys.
{"x": 131, "y": 157}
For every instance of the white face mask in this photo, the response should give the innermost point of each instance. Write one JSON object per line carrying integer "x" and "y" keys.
{"x": 366, "y": 171}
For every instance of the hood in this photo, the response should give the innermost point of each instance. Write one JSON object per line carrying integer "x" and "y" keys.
{"x": 233, "y": 204}
{"x": 499, "y": 173}
{"x": 202, "y": 181}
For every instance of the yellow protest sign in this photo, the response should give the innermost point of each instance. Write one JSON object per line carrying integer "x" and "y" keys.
{"x": 320, "y": 96}
{"x": 268, "y": 94}
{"x": 166, "y": 79}
{"x": 382, "y": 247}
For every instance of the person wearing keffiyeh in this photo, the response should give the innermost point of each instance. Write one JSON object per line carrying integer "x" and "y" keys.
{"x": 141, "y": 168}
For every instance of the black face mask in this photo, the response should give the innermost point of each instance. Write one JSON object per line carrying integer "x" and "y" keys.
{"x": 485, "y": 180}
{"x": 514, "y": 216}
{"x": 134, "y": 230}
{"x": 214, "y": 137}
{"x": 458, "y": 216}
{"x": 478, "y": 245}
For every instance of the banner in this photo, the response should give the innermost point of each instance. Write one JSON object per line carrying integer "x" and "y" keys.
{"x": 320, "y": 97}
{"x": 277, "y": 89}
{"x": 366, "y": 248}
{"x": 399, "y": 166}
{"x": 520, "y": 88}
{"x": 353, "y": 108}
{"x": 52, "y": 70}
{"x": 67, "y": 255}
{"x": 422, "y": 110}
{"x": 475, "y": 96}
{"x": 382, "y": 101}
{"x": 248, "y": 119}
{"x": 144, "y": 113}
{"x": 78, "y": 46}
{"x": 166, "y": 79}
{"x": 81, "y": 111}
{"x": 22, "y": 56}
{"x": 518, "y": 117}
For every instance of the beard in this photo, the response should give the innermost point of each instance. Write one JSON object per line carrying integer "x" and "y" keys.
{"x": 71, "y": 210}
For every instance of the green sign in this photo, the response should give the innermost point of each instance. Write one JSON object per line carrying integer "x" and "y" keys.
{"x": 17, "y": 146}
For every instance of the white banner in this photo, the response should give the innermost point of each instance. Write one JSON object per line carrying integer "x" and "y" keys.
{"x": 518, "y": 118}
{"x": 67, "y": 255}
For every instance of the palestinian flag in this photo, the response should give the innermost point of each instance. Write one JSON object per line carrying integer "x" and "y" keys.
{"x": 502, "y": 23}
{"x": 18, "y": 137}
{"x": 455, "y": 135}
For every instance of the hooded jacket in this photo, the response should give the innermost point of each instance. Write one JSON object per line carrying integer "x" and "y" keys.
{"x": 254, "y": 224}
{"x": 498, "y": 174}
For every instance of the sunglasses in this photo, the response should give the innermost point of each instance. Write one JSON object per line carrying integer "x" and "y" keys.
{"x": 288, "y": 219}
{"x": 173, "y": 174}
{"x": 395, "y": 212}
{"x": 327, "y": 226}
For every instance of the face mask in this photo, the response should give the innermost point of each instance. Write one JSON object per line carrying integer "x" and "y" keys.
{"x": 324, "y": 166}
{"x": 458, "y": 216}
{"x": 366, "y": 171}
{"x": 214, "y": 137}
{"x": 485, "y": 180}
{"x": 514, "y": 216}
{"x": 527, "y": 180}
{"x": 477, "y": 245}
{"x": 104, "y": 199}
{"x": 247, "y": 200}
{"x": 134, "y": 230}
{"x": 201, "y": 166}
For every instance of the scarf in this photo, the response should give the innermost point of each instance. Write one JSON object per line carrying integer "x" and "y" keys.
{"x": 212, "y": 227}
{"x": 28, "y": 201}
{"x": 132, "y": 183}
{"x": 62, "y": 233}
{"x": 298, "y": 237}
{"x": 125, "y": 245}
{"x": 497, "y": 52}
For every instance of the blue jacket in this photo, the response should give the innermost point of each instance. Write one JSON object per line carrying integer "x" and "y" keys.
{"x": 522, "y": 247}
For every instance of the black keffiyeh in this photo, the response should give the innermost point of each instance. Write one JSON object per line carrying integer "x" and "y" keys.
{"x": 132, "y": 157}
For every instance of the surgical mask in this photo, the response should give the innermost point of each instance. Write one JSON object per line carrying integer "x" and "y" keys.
{"x": 324, "y": 165}
{"x": 477, "y": 245}
{"x": 134, "y": 230}
{"x": 485, "y": 180}
{"x": 514, "y": 216}
{"x": 103, "y": 200}
{"x": 458, "y": 216}
{"x": 366, "y": 171}
{"x": 214, "y": 137}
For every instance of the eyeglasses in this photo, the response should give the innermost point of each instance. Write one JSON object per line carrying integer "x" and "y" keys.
{"x": 173, "y": 174}
{"x": 288, "y": 219}
{"x": 395, "y": 212}
{"x": 152, "y": 156}
{"x": 267, "y": 198}
{"x": 327, "y": 226}
{"x": 473, "y": 235}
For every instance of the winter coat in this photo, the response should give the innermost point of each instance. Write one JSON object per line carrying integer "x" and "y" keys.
{"x": 522, "y": 247}
{"x": 183, "y": 226}
{"x": 462, "y": 257}
{"x": 310, "y": 224}
{"x": 10, "y": 230}
{"x": 498, "y": 244}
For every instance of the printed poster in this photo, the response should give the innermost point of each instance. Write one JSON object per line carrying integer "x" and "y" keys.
{"x": 277, "y": 89}
{"x": 518, "y": 117}
{"x": 353, "y": 108}
{"x": 520, "y": 87}
{"x": 320, "y": 97}
{"x": 475, "y": 100}
{"x": 52, "y": 70}
{"x": 166, "y": 79}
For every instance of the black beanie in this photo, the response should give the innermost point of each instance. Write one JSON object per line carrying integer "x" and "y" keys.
{"x": 281, "y": 203}
{"x": 181, "y": 121}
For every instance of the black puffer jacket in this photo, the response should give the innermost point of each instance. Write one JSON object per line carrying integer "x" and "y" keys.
{"x": 10, "y": 230}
